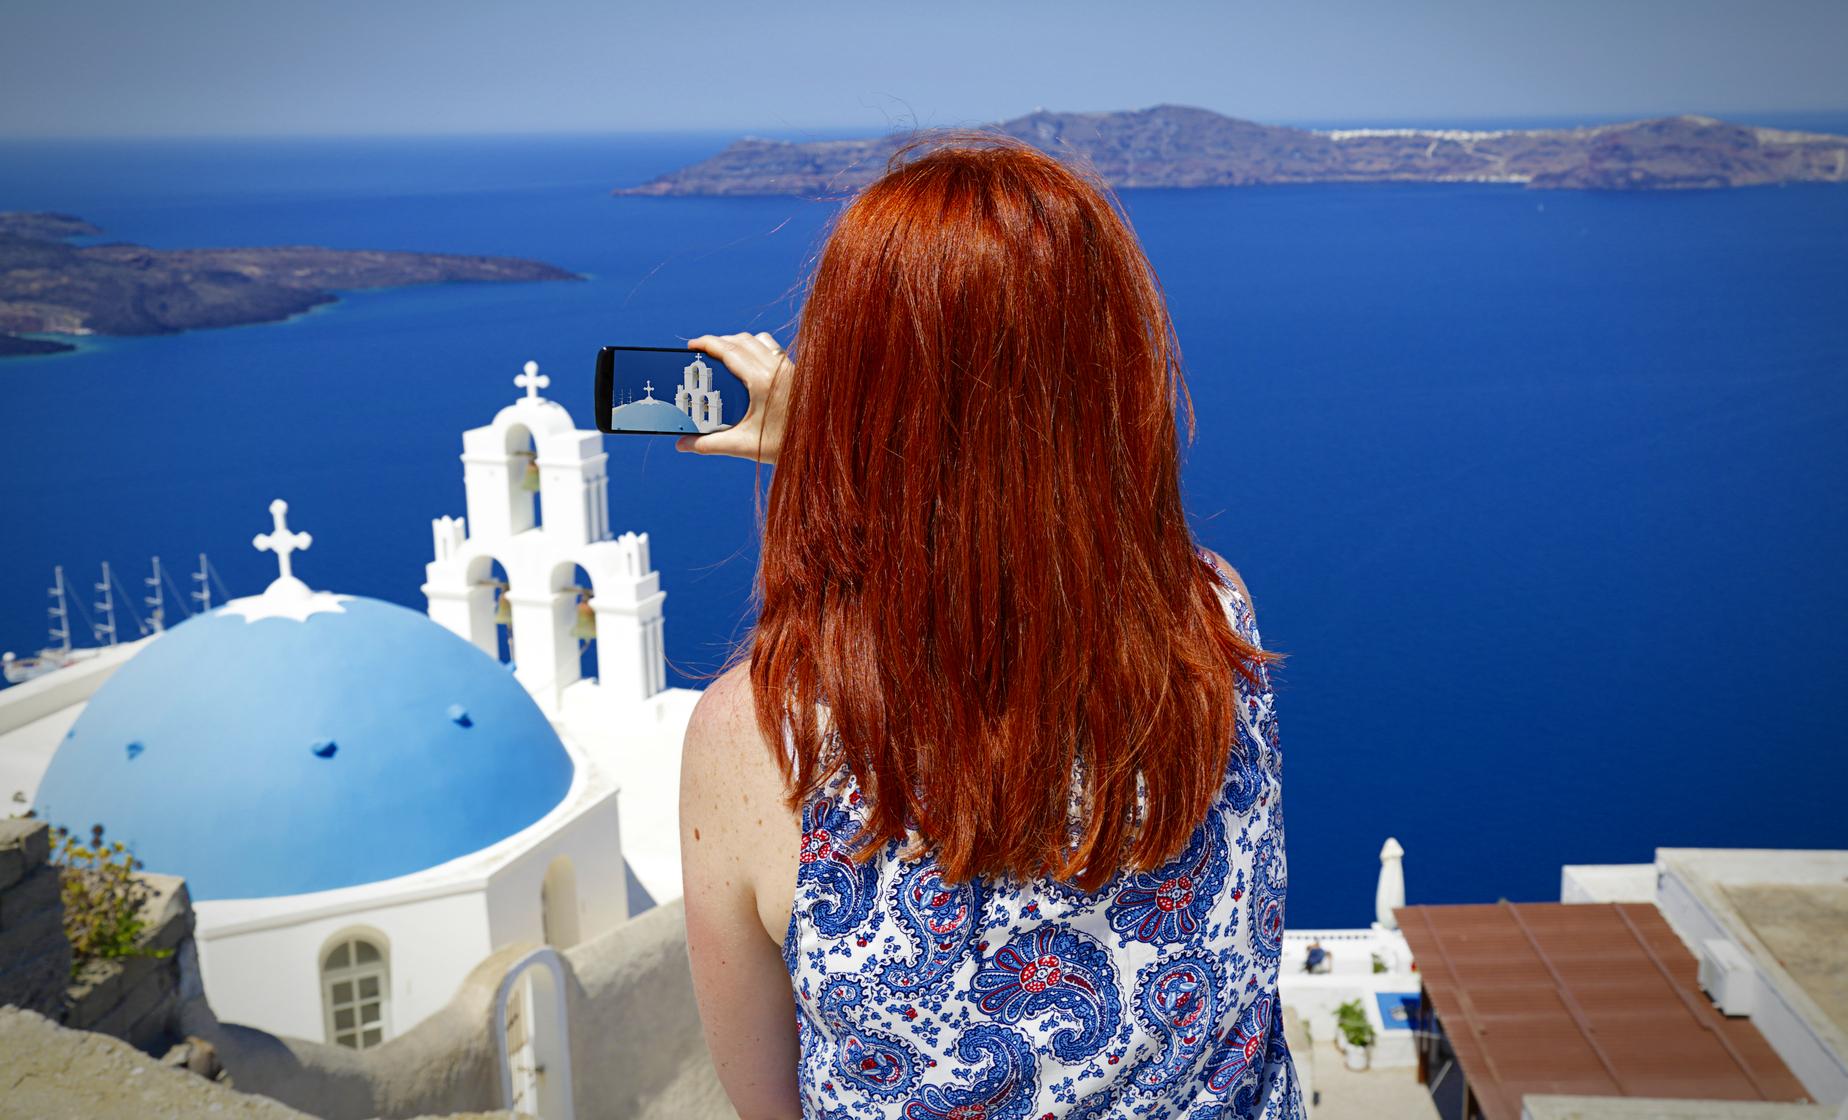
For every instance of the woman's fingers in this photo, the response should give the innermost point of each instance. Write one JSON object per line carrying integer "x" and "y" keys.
{"x": 741, "y": 440}
{"x": 747, "y": 355}
{"x": 758, "y": 361}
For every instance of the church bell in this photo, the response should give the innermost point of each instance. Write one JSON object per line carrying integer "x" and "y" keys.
{"x": 585, "y": 628}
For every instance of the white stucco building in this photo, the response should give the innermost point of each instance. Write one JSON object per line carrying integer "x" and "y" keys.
{"x": 365, "y": 800}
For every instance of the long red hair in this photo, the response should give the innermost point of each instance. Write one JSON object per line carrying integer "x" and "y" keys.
{"x": 974, "y": 551}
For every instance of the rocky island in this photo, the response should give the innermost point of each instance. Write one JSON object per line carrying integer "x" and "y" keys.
{"x": 1176, "y": 146}
{"x": 49, "y": 285}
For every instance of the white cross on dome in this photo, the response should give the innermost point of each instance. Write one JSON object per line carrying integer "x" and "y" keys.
{"x": 286, "y": 596}
{"x": 281, "y": 541}
{"x": 532, "y": 381}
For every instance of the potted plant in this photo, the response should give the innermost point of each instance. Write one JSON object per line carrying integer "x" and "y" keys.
{"x": 1356, "y": 1032}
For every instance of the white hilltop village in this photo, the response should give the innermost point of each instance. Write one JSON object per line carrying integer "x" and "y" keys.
{"x": 418, "y": 863}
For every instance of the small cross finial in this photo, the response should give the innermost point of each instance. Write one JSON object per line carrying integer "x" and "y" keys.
{"x": 532, "y": 381}
{"x": 648, "y": 388}
{"x": 281, "y": 541}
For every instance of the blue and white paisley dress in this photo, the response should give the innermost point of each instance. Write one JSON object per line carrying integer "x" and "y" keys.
{"x": 1154, "y": 996}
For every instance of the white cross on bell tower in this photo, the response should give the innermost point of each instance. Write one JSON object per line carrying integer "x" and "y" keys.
{"x": 532, "y": 381}
{"x": 283, "y": 542}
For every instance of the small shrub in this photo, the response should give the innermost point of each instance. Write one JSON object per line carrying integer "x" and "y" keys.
{"x": 1351, "y": 1021}
{"x": 102, "y": 900}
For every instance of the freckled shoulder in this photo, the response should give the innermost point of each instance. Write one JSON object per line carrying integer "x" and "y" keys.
{"x": 725, "y": 753}
{"x": 732, "y": 812}
{"x": 723, "y": 721}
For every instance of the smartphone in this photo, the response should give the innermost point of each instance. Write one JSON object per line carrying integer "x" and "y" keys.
{"x": 665, "y": 391}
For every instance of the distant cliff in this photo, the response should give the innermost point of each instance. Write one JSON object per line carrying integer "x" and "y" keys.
{"x": 47, "y": 285}
{"x": 1174, "y": 146}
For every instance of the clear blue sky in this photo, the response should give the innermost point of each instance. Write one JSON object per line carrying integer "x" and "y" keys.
{"x": 262, "y": 67}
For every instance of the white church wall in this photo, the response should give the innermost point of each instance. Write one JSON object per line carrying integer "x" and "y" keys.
{"x": 260, "y": 958}
{"x": 268, "y": 973}
{"x": 640, "y": 745}
{"x": 497, "y": 506}
{"x": 629, "y": 608}
{"x": 592, "y": 840}
{"x": 545, "y": 654}
{"x": 571, "y": 470}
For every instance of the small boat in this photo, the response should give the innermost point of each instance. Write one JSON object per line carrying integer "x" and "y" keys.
{"x": 21, "y": 669}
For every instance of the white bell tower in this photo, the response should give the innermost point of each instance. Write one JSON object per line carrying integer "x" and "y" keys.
{"x": 538, "y": 503}
{"x": 697, "y": 398}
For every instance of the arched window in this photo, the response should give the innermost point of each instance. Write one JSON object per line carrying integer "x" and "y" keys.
{"x": 355, "y": 986}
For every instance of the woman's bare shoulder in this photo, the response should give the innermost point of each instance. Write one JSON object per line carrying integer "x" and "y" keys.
{"x": 725, "y": 716}
{"x": 736, "y": 830}
{"x": 724, "y": 744}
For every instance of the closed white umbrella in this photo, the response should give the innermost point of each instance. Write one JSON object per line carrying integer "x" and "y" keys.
{"x": 1391, "y": 892}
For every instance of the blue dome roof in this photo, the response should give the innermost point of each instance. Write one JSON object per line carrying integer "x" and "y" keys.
{"x": 277, "y": 756}
{"x": 651, "y": 415}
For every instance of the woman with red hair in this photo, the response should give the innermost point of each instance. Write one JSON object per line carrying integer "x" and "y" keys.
{"x": 986, "y": 820}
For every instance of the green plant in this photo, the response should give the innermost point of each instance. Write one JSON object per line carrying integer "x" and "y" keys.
{"x": 1351, "y": 1021}
{"x": 1379, "y": 963}
{"x": 102, "y": 899}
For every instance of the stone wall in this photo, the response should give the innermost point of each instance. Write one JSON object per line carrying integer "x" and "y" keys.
{"x": 131, "y": 998}
{"x": 54, "y": 1071}
{"x": 35, "y": 957}
{"x": 135, "y": 998}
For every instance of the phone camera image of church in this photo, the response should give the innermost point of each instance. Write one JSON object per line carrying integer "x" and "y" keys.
{"x": 698, "y": 407}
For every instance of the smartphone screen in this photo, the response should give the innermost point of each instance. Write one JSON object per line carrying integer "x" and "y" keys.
{"x": 662, "y": 390}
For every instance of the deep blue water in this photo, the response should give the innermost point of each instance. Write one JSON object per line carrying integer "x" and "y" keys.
{"x": 1545, "y": 494}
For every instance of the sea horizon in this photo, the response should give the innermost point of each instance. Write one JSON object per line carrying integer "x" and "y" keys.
{"x": 1825, "y": 119}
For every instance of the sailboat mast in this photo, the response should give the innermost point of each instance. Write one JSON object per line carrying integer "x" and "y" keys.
{"x": 204, "y": 594}
{"x": 157, "y": 602}
{"x": 60, "y": 612}
{"x": 106, "y": 608}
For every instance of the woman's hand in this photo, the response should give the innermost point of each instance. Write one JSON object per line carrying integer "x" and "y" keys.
{"x": 765, "y": 370}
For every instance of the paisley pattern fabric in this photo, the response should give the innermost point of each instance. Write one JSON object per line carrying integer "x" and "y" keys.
{"x": 1154, "y": 996}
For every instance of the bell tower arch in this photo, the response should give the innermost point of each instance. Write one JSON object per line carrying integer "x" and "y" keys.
{"x": 537, "y": 495}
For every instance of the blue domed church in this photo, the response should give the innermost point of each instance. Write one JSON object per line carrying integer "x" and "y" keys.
{"x": 339, "y": 740}
{"x": 366, "y": 800}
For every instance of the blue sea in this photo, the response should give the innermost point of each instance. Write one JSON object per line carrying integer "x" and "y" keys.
{"x": 1544, "y": 494}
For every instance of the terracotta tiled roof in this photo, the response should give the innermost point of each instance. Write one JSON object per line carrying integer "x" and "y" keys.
{"x": 1600, "y": 999}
